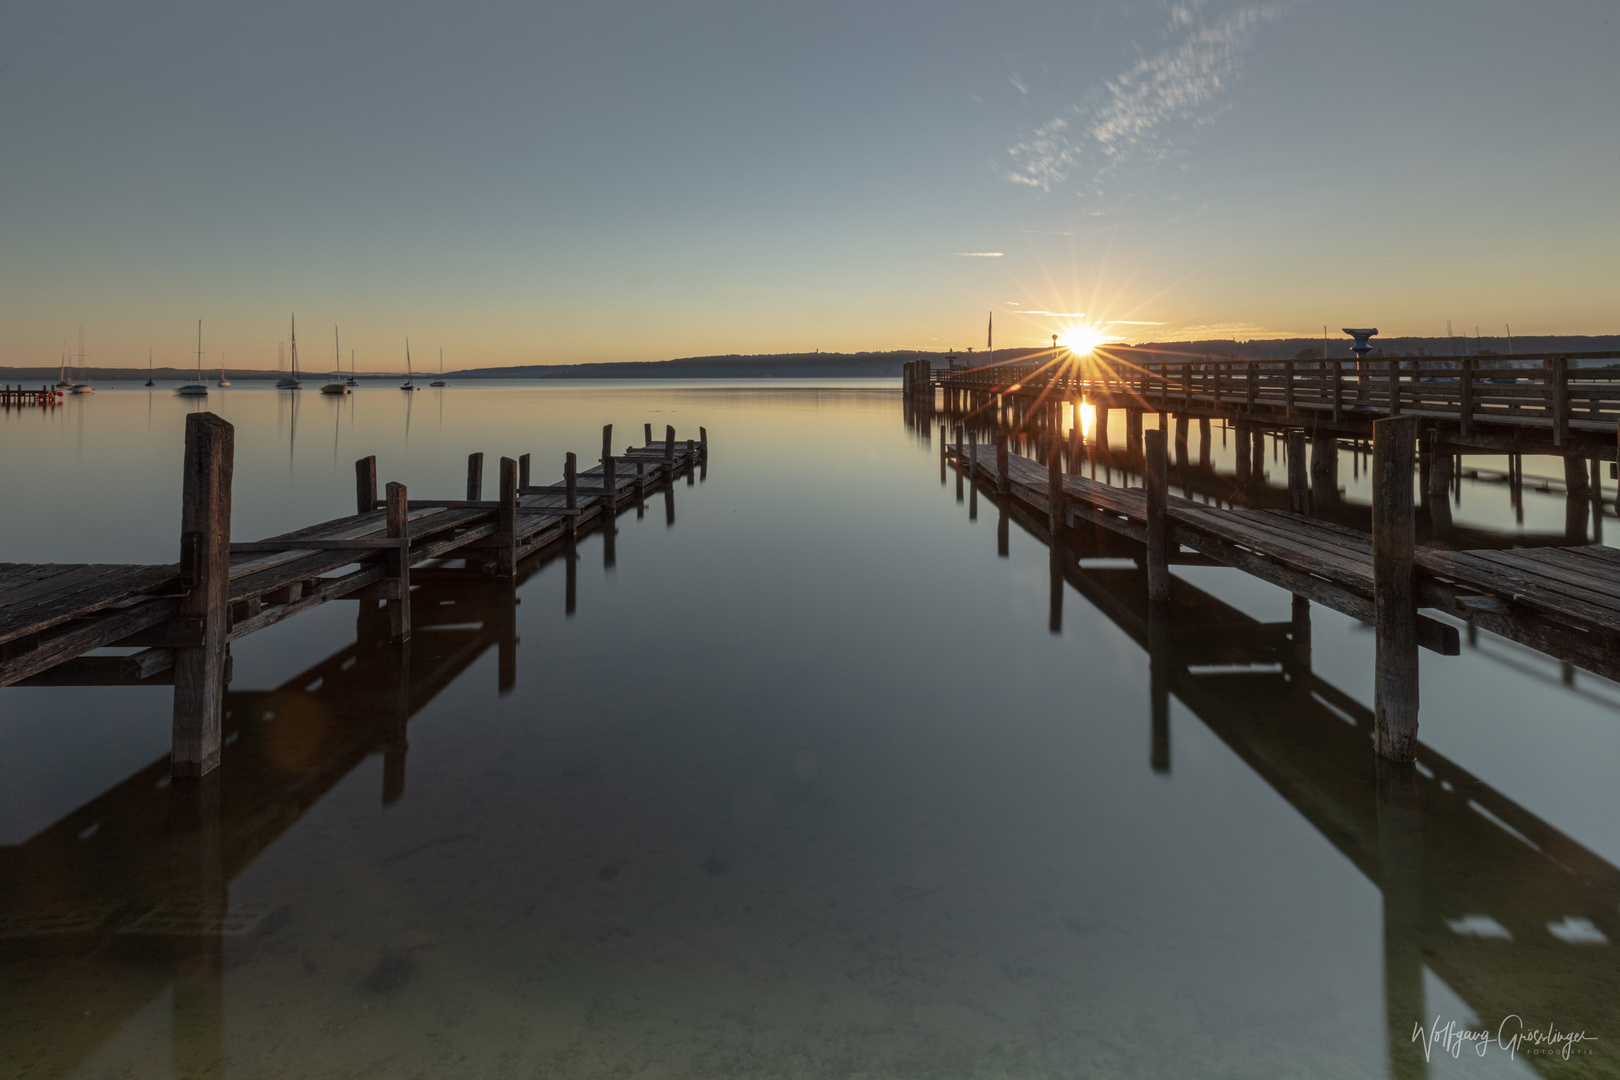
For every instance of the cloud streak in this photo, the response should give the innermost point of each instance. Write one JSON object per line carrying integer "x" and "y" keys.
{"x": 977, "y": 254}
{"x": 1133, "y": 118}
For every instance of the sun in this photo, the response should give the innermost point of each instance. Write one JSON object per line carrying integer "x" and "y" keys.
{"x": 1081, "y": 339}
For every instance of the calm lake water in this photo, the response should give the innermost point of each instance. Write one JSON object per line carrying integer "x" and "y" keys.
{"x": 799, "y": 777}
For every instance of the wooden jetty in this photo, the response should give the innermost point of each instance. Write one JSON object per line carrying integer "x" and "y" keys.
{"x": 1474, "y": 885}
{"x": 184, "y": 616}
{"x": 19, "y": 397}
{"x": 1563, "y": 601}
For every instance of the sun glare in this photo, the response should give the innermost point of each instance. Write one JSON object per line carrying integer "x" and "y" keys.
{"x": 1081, "y": 339}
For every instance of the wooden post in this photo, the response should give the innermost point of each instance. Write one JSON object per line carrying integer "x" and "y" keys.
{"x": 1465, "y": 397}
{"x": 1338, "y": 391}
{"x": 399, "y": 564}
{"x": 1002, "y": 485}
{"x": 647, "y": 430}
{"x": 506, "y": 521}
{"x": 959, "y": 432}
{"x": 1440, "y": 478}
{"x": 1577, "y": 496}
{"x": 610, "y": 485}
{"x": 1558, "y": 388}
{"x": 703, "y": 442}
{"x": 1394, "y": 388}
{"x": 1203, "y": 441}
{"x": 1253, "y": 386}
{"x": 669, "y": 444}
{"x": 1181, "y": 442}
{"x": 571, "y": 481}
{"x": 523, "y": 472}
{"x": 1288, "y": 388}
{"x": 1395, "y": 690}
{"x": 1054, "y": 493}
{"x": 475, "y": 476}
{"x": 1157, "y": 490}
{"x": 1299, "y": 485}
{"x": 1133, "y": 432}
{"x": 365, "y": 485}
{"x": 973, "y": 462}
{"x": 1324, "y": 473}
{"x": 1597, "y": 502}
{"x": 1242, "y": 458}
{"x": 1099, "y": 431}
{"x": 607, "y": 441}
{"x": 205, "y": 571}
{"x": 1258, "y": 468}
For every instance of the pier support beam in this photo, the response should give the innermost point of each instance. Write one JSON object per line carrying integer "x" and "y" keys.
{"x": 506, "y": 522}
{"x": 1577, "y": 496}
{"x": 205, "y": 568}
{"x": 1156, "y": 482}
{"x": 475, "y": 476}
{"x": 1241, "y": 457}
{"x": 1324, "y": 472}
{"x": 365, "y": 485}
{"x": 399, "y": 564}
{"x": 1440, "y": 480}
{"x": 1299, "y": 487}
{"x": 1395, "y": 690}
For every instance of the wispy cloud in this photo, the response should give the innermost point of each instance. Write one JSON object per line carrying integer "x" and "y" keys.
{"x": 1058, "y": 314}
{"x": 1133, "y": 118}
{"x": 977, "y": 254}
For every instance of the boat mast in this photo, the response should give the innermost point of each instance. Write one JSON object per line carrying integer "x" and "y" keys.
{"x": 199, "y": 350}
{"x": 295, "y": 346}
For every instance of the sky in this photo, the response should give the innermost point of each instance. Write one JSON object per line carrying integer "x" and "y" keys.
{"x": 550, "y": 183}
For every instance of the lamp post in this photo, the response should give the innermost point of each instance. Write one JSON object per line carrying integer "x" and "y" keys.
{"x": 1361, "y": 347}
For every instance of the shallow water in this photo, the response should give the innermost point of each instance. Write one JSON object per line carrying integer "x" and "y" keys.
{"x": 805, "y": 784}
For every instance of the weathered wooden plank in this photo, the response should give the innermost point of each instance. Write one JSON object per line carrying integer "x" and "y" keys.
{"x": 56, "y": 599}
{"x": 74, "y": 639}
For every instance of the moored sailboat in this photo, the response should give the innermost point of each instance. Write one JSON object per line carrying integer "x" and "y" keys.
{"x": 410, "y": 381}
{"x": 440, "y": 380}
{"x": 291, "y": 382}
{"x": 200, "y": 387}
{"x": 336, "y": 386}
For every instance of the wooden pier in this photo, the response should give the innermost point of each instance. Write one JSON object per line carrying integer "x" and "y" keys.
{"x": 1563, "y": 601}
{"x": 183, "y": 616}
{"x": 20, "y": 397}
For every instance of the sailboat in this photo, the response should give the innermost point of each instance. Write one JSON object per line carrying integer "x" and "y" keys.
{"x": 200, "y": 387}
{"x": 352, "y": 380}
{"x": 336, "y": 385}
{"x": 440, "y": 380}
{"x": 64, "y": 382}
{"x": 409, "y": 383}
{"x": 291, "y": 382}
{"x": 81, "y": 388}
{"x": 149, "y": 381}
{"x": 223, "y": 381}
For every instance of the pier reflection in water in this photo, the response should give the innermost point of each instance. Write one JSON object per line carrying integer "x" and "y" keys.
{"x": 815, "y": 783}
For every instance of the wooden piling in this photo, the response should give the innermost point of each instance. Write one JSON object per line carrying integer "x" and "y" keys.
{"x": 1299, "y": 485}
{"x": 1203, "y": 441}
{"x": 1465, "y": 395}
{"x": 1156, "y": 481}
{"x": 1181, "y": 442}
{"x": 1324, "y": 472}
{"x": 1440, "y": 479}
{"x": 475, "y": 476}
{"x": 669, "y": 443}
{"x": 1338, "y": 390}
{"x": 1577, "y": 495}
{"x": 1395, "y": 689}
{"x": 365, "y": 485}
{"x": 399, "y": 564}
{"x": 647, "y": 432}
{"x": 1242, "y": 458}
{"x": 205, "y": 571}
{"x": 607, "y": 441}
{"x": 1054, "y": 493}
{"x": 523, "y": 472}
{"x": 506, "y": 521}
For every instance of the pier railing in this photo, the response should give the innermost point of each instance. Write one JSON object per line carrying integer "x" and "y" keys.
{"x": 1560, "y": 393}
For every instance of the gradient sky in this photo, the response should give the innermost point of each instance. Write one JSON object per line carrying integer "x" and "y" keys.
{"x": 634, "y": 181}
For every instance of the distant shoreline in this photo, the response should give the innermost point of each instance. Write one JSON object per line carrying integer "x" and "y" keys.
{"x": 865, "y": 365}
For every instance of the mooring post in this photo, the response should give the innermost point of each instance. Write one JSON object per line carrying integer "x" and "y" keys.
{"x": 1133, "y": 433}
{"x": 1576, "y": 497}
{"x": 703, "y": 443}
{"x": 365, "y": 485}
{"x": 1394, "y": 388}
{"x": 1597, "y": 502}
{"x": 641, "y": 486}
{"x": 607, "y": 441}
{"x": 1157, "y": 491}
{"x": 506, "y": 521}
{"x": 1242, "y": 458}
{"x": 475, "y": 476}
{"x": 523, "y": 472}
{"x": 1324, "y": 472}
{"x": 647, "y": 430}
{"x": 1181, "y": 442}
{"x": 1440, "y": 479}
{"x": 1203, "y": 441}
{"x": 959, "y": 436}
{"x": 1395, "y": 689}
{"x": 1558, "y": 391}
{"x": 1258, "y": 467}
{"x": 399, "y": 563}
{"x": 1299, "y": 485}
{"x": 669, "y": 447}
{"x": 1054, "y": 493}
{"x": 610, "y": 486}
{"x": 1338, "y": 390}
{"x": 1002, "y": 486}
{"x": 205, "y": 571}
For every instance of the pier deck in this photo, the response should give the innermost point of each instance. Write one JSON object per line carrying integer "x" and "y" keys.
{"x": 53, "y": 614}
{"x": 1562, "y": 601}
